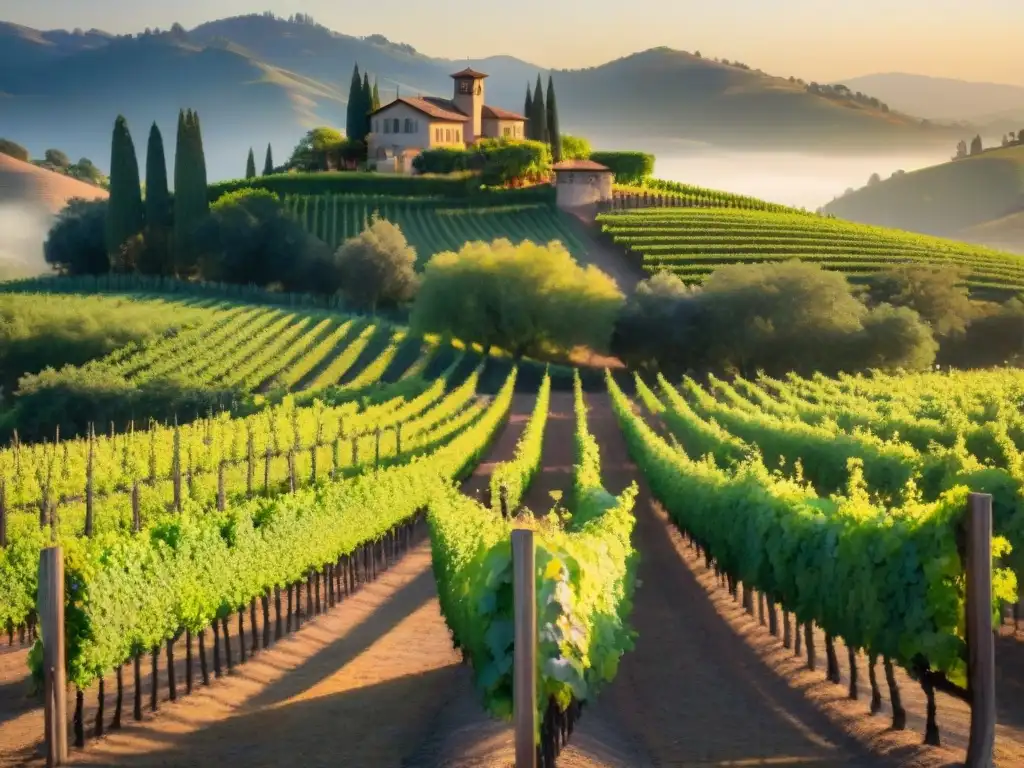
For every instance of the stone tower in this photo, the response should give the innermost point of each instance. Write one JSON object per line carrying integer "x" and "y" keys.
{"x": 469, "y": 98}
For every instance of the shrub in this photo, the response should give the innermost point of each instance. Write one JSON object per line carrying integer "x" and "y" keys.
{"x": 76, "y": 243}
{"x": 250, "y": 238}
{"x": 13, "y": 149}
{"x": 377, "y": 265}
{"x": 500, "y": 161}
{"x": 629, "y": 167}
{"x": 526, "y": 298}
{"x": 937, "y": 294}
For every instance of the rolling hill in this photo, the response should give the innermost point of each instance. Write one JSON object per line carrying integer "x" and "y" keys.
{"x": 953, "y": 199}
{"x": 943, "y": 97}
{"x": 258, "y": 79}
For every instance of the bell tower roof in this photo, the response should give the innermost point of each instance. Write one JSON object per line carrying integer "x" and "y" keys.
{"x": 469, "y": 73}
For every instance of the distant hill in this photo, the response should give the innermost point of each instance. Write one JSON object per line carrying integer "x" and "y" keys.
{"x": 1006, "y": 233}
{"x": 29, "y": 196}
{"x": 944, "y": 98}
{"x": 258, "y": 79}
{"x": 953, "y": 199}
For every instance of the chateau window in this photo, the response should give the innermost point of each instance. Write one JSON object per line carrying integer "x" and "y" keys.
{"x": 408, "y": 125}
{"x": 458, "y": 134}
{"x": 448, "y": 134}
{"x": 465, "y": 86}
{"x": 437, "y": 135}
{"x": 387, "y": 126}
{"x": 506, "y": 131}
{"x": 395, "y": 128}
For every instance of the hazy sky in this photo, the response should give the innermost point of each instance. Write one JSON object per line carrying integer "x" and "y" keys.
{"x": 814, "y": 39}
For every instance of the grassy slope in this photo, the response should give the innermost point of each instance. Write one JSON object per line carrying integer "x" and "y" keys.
{"x": 944, "y": 199}
{"x": 1006, "y": 232}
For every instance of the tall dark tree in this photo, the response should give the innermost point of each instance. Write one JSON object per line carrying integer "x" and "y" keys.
{"x": 528, "y": 112}
{"x": 250, "y": 165}
{"x": 190, "y": 202}
{"x": 268, "y": 162}
{"x": 125, "y": 214}
{"x": 375, "y": 102}
{"x": 367, "y": 106}
{"x": 554, "y": 136}
{"x": 157, "y": 256}
{"x": 353, "y": 120}
{"x": 540, "y": 114}
{"x": 976, "y": 147}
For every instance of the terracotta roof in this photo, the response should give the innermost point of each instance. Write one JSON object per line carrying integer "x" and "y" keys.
{"x": 579, "y": 165}
{"x": 497, "y": 113}
{"x": 470, "y": 72}
{"x": 439, "y": 109}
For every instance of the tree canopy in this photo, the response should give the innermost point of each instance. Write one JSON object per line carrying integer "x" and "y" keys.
{"x": 377, "y": 266}
{"x": 526, "y": 298}
{"x": 77, "y": 241}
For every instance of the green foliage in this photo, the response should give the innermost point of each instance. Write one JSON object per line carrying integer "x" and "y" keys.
{"x": 355, "y": 183}
{"x": 936, "y": 294}
{"x": 157, "y": 259}
{"x": 133, "y": 592}
{"x": 526, "y": 298}
{"x": 125, "y": 214}
{"x": 250, "y": 165}
{"x": 693, "y": 241}
{"x": 376, "y": 266}
{"x": 554, "y": 135}
{"x": 250, "y": 238}
{"x": 13, "y": 149}
{"x": 886, "y": 581}
{"x": 516, "y": 474}
{"x": 56, "y": 158}
{"x": 314, "y": 150}
{"x": 538, "y": 118}
{"x": 500, "y": 161}
{"x": 528, "y": 114}
{"x": 77, "y": 241}
{"x": 268, "y": 162}
{"x": 38, "y": 333}
{"x": 354, "y": 106}
{"x": 629, "y": 167}
{"x": 575, "y": 148}
{"x": 585, "y": 579}
{"x": 190, "y": 202}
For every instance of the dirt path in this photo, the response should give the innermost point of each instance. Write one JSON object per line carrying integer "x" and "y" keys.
{"x": 693, "y": 692}
{"x": 609, "y": 260}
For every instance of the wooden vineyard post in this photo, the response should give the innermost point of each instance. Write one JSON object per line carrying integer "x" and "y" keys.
{"x": 981, "y": 653}
{"x": 51, "y": 614}
{"x": 524, "y": 682}
{"x": 398, "y": 439}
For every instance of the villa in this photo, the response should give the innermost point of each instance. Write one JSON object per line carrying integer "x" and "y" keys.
{"x": 406, "y": 126}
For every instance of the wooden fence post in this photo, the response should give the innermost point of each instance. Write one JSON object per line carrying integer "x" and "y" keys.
{"x": 524, "y": 685}
{"x": 51, "y": 615}
{"x": 981, "y": 652}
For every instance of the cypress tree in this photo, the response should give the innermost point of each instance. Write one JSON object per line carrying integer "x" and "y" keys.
{"x": 125, "y": 214}
{"x": 250, "y": 166}
{"x": 268, "y": 163}
{"x": 158, "y": 208}
{"x": 528, "y": 112}
{"x": 190, "y": 202}
{"x": 366, "y": 106}
{"x": 355, "y": 96}
{"x": 375, "y": 102}
{"x": 554, "y": 137}
{"x": 540, "y": 114}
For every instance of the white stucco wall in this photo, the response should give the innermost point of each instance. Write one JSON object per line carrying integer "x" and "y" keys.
{"x": 495, "y": 129}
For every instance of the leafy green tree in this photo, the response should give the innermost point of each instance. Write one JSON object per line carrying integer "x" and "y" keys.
{"x": 156, "y": 259}
{"x": 56, "y": 158}
{"x": 250, "y": 165}
{"x": 125, "y": 214}
{"x": 575, "y": 148}
{"x": 268, "y": 162}
{"x": 354, "y": 119}
{"x": 84, "y": 170}
{"x": 77, "y": 241}
{"x": 528, "y": 114}
{"x": 551, "y": 123}
{"x": 249, "y": 237}
{"x": 658, "y": 317}
{"x": 13, "y": 149}
{"x": 377, "y": 266}
{"x": 313, "y": 149}
{"x": 937, "y": 294}
{"x": 526, "y": 298}
{"x": 539, "y": 118}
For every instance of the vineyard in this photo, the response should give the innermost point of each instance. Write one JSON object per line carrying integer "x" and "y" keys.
{"x": 828, "y": 511}
{"x": 693, "y": 242}
{"x": 432, "y": 226}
